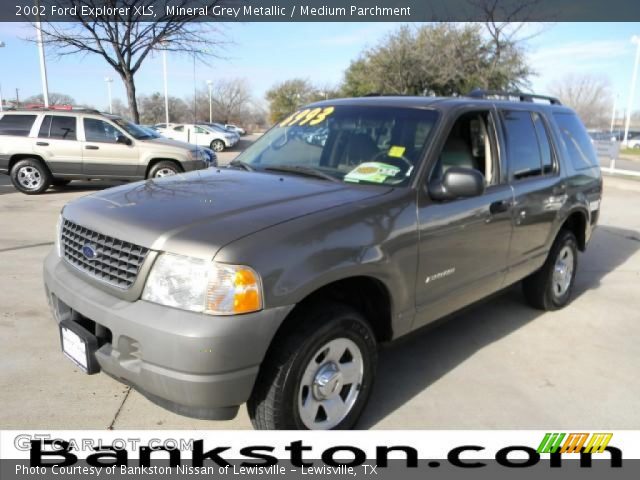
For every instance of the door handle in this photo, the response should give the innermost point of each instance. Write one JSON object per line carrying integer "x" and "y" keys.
{"x": 42, "y": 144}
{"x": 500, "y": 206}
{"x": 92, "y": 147}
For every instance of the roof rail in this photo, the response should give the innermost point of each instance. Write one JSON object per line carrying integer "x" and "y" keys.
{"x": 57, "y": 108}
{"x": 521, "y": 96}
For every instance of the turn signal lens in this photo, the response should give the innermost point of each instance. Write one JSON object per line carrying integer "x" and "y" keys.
{"x": 233, "y": 290}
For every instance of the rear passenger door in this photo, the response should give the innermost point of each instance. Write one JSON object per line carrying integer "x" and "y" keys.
{"x": 58, "y": 143}
{"x": 539, "y": 190}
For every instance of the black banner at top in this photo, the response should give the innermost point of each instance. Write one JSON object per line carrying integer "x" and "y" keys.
{"x": 321, "y": 10}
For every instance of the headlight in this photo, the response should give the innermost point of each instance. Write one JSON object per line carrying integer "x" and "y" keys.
{"x": 58, "y": 242}
{"x": 203, "y": 286}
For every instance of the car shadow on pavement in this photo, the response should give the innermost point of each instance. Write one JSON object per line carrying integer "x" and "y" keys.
{"x": 410, "y": 365}
{"x": 84, "y": 186}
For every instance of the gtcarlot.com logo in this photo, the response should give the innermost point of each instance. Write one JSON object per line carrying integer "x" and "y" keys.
{"x": 574, "y": 443}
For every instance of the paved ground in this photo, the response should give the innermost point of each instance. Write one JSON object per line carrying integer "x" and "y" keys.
{"x": 498, "y": 365}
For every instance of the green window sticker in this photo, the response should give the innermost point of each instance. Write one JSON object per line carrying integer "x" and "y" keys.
{"x": 374, "y": 172}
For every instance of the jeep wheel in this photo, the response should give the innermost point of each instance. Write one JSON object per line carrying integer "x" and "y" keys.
{"x": 217, "y": 145}
{"x": 163, "y": 169}
{"x": 318, "y": 376}
{"x": 30, "y": 176}
{"x": 550, "y": 287}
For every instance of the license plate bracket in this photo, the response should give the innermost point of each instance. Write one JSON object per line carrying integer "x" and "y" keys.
{"x": 79, "y": 345}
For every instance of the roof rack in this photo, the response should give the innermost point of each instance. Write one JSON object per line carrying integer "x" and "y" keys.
{"x": 521, "y": 96}
{"x": 57, "y": 108}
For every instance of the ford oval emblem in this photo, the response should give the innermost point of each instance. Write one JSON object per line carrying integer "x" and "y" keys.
{"x": 89, "y": 251}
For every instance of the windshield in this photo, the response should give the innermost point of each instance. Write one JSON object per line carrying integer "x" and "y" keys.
{"x": 354, "y": 144}
{"x": 137, "y": 132}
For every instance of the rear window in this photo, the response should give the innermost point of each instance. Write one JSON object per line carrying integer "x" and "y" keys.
{"x": 63, "y": 128}
{"x": 577, "y": 141}
{"x": 17, "y": 125}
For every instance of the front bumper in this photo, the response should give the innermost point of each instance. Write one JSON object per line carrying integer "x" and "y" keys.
{"x": 194, "y": 364}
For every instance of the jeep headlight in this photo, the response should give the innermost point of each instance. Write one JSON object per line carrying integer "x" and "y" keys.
{"x": 203, "y": 286}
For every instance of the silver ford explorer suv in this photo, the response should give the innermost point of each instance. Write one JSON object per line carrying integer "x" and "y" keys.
{"x": 42, "y": 148}
{"x": 272, "y": 282}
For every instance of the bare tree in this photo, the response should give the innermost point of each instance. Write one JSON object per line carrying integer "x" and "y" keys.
{"x": 230, "y": 99}
{"x": 589, "y": 95}
{"x": 54, "y": 99}
{"x": 126, "y": 40}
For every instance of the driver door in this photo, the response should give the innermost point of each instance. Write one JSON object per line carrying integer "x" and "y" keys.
{"x": 464, "y": 242}
{"x": 103, "y": 156}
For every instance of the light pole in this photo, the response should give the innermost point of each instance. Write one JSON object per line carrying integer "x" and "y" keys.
{"x": 613, "y": 114}
{"x": 635, "y": 39}
{"x": 43, "y": 65}
{"x": 109, "y": 81}
{"x": 166, "y": 84}
{"x": 210, "y": 85}
{"x": 2, "y": 45}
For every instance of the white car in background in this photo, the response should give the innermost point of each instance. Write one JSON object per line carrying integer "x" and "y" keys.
{"x": 201, "y": 135}
{"x": 234, "y": 128}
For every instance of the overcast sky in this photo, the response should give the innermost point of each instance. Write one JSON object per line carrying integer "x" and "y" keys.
{"x": 266, "y": 53}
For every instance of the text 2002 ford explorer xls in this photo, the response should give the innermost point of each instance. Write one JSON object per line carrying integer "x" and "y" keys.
{"x": 273, "y": 281}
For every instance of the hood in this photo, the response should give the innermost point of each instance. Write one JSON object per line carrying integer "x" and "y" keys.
{"x": 169, "y": 143}
{"x": 197, "y": 213}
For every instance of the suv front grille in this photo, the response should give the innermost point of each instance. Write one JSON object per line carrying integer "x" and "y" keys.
{"x": 105, "y": 258}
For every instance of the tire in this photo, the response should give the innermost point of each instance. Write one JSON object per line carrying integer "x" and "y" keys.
{"x": 30, "y": 176}
{"x": 163, "y": 169}
{"x": 217, "y": 145}
{"x": 60, "y": 182}
{"x": 302, "y": 383}
{"x": 550, "y": 287}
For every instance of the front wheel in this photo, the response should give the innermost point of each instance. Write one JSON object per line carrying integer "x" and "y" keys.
{"x": 217, "y": 145}
{"x": 550, "y": 287}
{"x": 319, "y": 375}
{"x": 163, "y": 169}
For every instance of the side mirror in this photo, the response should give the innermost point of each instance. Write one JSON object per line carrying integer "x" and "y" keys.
{"x": 457, "y": 182}
{"x": 124, "y": 140}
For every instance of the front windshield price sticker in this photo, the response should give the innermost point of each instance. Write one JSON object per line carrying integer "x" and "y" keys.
{"x": 307, "y": 116}
{"x": 396, "y": 151}
{"x": 374, "y": 172}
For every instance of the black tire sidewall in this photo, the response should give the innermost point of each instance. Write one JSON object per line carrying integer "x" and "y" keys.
{"x": 161, "y": 165}
{"x": 44, "y": 173}
{"x": 566, "y": 238}
{"x": 217, "y": 142}
{"x": 351, "y": 328}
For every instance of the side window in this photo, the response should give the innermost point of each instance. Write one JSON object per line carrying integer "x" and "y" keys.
{"x": 576, "y": 140}
{"x": 201, "y": 131}
{"x": 99, "y": 131}
{"x": 17, "y": 125}
{"x": 179, "y": 128}
{"x": 63, "y": 128}
{"x": 523, "y": 149}
{"x": 470, "y": 144}
{"x": 545, "y": 144}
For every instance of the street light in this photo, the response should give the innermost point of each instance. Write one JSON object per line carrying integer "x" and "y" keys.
{"x": 166, "y": 83}
{"x": 43, "y": 65}
{"x": 635, "y": 39}
{"x": 109, "y": 81}
{"x": 210, "y": 85}
{"x": 2, "y": 44}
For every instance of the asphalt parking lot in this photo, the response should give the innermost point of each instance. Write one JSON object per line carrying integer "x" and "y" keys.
{"x": 499, "y": 364}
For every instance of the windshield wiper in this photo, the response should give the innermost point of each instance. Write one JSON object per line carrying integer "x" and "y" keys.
{"x": 300, "y": 170}
{"x": 241, "y": 164}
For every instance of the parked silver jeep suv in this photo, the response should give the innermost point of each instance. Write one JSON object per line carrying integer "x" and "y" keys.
{"x": 52, "y": 147}
{"x": 273, "y": 281}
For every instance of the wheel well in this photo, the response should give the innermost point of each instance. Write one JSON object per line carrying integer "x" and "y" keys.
{"x": 21, "y": 156}
{"x": 366, "y": 294}
{"x": 577, "y": 223}
{"x": 155, "y": 161}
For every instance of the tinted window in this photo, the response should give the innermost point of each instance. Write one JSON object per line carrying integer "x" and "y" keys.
{"x": 179, "y": 128}
{"x": 63, "y": 128}
{"x": 523, "y": 151}
{"x": 18, "y": 125}
{"x": 576, "y": 140}
{"x": 100, "y": 131}
{"x": 545, "y": 144}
